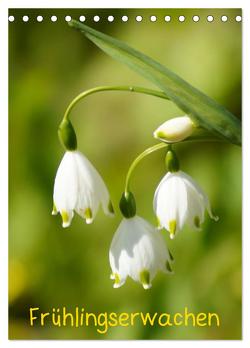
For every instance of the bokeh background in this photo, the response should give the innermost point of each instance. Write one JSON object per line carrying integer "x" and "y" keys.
{"x": 49, "y": 64}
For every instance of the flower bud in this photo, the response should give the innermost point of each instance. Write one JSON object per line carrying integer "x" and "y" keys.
{"x": 67, "y": 135}
{"x": 175, "y": 129}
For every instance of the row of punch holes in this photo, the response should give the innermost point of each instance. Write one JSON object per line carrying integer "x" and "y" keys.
{"x": 110, "y": 19}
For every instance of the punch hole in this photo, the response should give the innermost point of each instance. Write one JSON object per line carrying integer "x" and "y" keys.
{"x": 11, "y": 18}
{"x": 167, "y": 18}
{"x": 224, "y": 18}
{"x": 82, "y": 18}
{"x": 124, "y": 18}
{"x": 53, "y": 18}
{"x": 181, "y": 18}
{"x": 96, "y": 19}
{"x": 153, "y": 18}
{"x": 210, "y": 18}
{"x": 238, "y": 18}
{"x": 67, "y": 18}
{"x": 196, "y": 18}
{"x": 111, "y": 18}
{"x": 39, "y": 19}
{"x": 25, "y": 18}
{"x": 138, "y": 18}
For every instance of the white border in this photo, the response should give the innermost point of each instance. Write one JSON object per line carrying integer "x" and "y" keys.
{"x": 4, "y": 5}
{"x": 124, "y": 4}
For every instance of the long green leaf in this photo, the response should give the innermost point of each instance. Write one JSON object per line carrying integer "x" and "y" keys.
{"x": 204, "y": 111}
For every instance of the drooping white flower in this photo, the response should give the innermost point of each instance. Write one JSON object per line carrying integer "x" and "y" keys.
{"x": 175, "y": 129}
{"x": 138, "y": 250}
{"x": 79, "y": 187}
{"x": 179, "y": 199}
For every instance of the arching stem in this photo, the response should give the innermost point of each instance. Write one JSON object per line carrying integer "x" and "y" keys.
{"x": 135, "y": 89}
{"x": 138, "y": 159}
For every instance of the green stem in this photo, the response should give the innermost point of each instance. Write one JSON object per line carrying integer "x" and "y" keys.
{"x": 159, "y": 147}
{"x": 138, "y": 159}
{"x": 113, "y": 88}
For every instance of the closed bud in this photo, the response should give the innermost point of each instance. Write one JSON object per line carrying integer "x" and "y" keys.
{"x": 67, "y": 135}
{"x": 174, "y": 130}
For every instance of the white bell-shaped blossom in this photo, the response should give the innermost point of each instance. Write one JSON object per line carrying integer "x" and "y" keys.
{"x": 178, "y": 200}
{"x": 176, "y": 129}
{"x": 138, "y": 250}
{"x": 79, "y": 187}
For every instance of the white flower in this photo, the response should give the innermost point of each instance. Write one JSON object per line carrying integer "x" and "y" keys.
{"x": 179, "y": 199}
{"x": 79, "y": 187}
{"x": 138, "y": 250}
{"x": 175, "y": 129}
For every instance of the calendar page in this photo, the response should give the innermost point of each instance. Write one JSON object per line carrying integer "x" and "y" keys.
{"x": 125, "y": 174}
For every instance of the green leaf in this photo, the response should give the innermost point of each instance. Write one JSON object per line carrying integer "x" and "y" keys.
{"x": 203, "y": 110}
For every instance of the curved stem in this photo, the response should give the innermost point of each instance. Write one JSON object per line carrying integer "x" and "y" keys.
{"x": 138, "y": 159}
{"x": 159, "y": 147}
{"x": 135, "y": 89}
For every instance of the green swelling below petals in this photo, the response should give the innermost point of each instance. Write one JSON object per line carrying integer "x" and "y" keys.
{"x": 172, "y": 161}
{"x": 128, "y": 205}
{"x": 67, "y": 135}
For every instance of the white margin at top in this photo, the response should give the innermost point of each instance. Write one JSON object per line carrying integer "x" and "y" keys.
{"x": 124, "y": 4}
{"x": 4, "y": 5}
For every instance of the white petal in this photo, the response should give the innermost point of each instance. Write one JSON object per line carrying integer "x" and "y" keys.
{"x": 190, "y": 182}
{"x": 118, "y": 285}
{"x": 67, "y": 217}
{"x": 196, "y": 209}
{"x": 116, "y": 253}
{"x": 87, "y": 196}
{"x": 54, "y": 210}
{"x": 78, "y": 186}
{"x": 147, "y": 286}
{"x": 94, "y": 190}
{"x": 66, "y": 185}
{"x": 179, "y": 199}
{"x": 171, "y": 202}
{"x": 209, "y": 210}
{"x": 137, "y": 247}
{"x": 158, "y": 188}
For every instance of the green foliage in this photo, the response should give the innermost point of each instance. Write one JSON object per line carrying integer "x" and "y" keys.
{"x": 205, "y": 111}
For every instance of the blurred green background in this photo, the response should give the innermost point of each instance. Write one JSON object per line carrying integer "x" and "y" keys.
{"x": 49, "y": 64}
